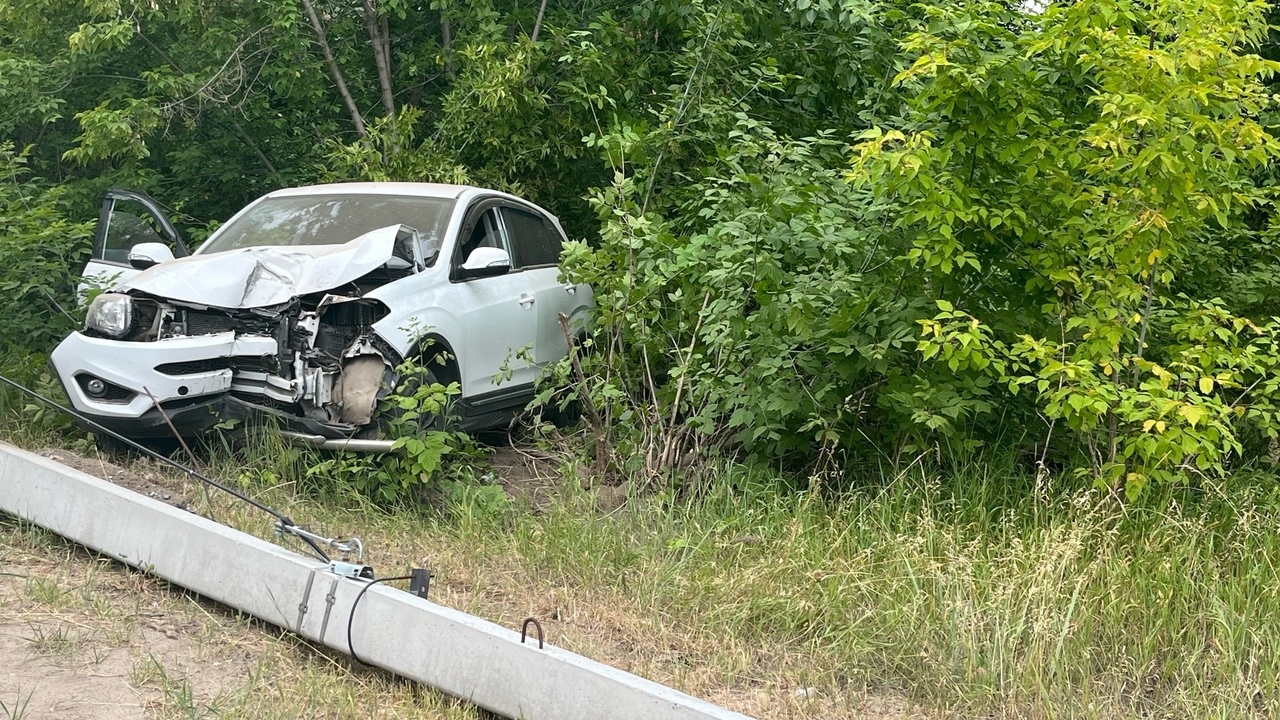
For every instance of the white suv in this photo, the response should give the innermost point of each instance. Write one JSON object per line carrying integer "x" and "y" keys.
{"x": 302, "y": 305}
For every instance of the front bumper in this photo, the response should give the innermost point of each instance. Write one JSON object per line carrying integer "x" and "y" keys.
{"x": 197, "y": 398}
{"x": 189, "y": 420}
{"x": 195, "y": 418}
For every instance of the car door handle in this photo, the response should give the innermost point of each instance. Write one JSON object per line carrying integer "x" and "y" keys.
{"x": 571, "y": 289}
{"x": 526, "y": 300}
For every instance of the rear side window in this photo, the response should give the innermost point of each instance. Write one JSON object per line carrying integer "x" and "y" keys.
{"x": 534, "y": 239}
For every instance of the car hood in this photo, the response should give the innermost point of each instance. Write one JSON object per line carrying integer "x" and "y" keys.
{"x": 264, "y": 276}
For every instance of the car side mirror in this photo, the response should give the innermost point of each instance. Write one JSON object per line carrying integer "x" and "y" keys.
{"x": 485, "y": 262}
{"x": 145, "y": 255}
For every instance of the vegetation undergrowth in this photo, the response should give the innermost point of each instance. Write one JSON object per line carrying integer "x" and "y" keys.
{"x": 976, "y": 588}
{"x": 950, "y": 588}
{"x": 427, "y": 455}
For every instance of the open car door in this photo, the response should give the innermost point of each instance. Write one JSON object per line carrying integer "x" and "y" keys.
{"x": 132, "y": 234}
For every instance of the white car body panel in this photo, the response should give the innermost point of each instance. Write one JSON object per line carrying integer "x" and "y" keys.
{"x": 133, "y": 365}
{"x": 498, "y": 324}
{"x": 102, "y": 275}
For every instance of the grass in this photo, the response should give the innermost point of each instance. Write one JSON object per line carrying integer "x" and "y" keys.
{"x": 948, "y": 593}
{"x": 980, "y": 590}
{"x": 15, "y": 709}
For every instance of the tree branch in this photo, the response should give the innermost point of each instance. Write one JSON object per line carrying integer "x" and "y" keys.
{"x": 381, "y": 57}
{"x": 537, "y": 24}
{"x": 334, "y": 70}
{"x": 248, "y": 140}
{"x": 446, "y": 38}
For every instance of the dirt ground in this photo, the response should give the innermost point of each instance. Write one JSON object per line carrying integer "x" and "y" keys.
{"x": 83, "y": 637}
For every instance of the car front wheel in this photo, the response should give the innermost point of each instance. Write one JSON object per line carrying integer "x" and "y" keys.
{"x": 406, "y": 409}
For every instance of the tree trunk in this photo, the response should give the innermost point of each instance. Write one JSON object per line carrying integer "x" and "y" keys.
{"x": 386, "y": 40}
{"x": 537, "y": 24}
{"x": 334, "y": 70}
{"x": 381, "y": 56}
{"x": 447, "y": 39}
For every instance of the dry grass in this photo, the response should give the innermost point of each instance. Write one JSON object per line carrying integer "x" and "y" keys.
{"x": 503, "y": 585}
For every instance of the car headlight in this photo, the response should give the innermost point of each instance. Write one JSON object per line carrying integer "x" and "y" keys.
{"x": 110, "y": 314}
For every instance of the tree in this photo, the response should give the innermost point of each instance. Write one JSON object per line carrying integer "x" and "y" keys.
{"x": 1061, "y": 177}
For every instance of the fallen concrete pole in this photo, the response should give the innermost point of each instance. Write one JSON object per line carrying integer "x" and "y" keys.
{"x": 459, "y": 654}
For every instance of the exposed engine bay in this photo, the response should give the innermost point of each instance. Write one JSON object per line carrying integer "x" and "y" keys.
{"x": 328, "y": 365}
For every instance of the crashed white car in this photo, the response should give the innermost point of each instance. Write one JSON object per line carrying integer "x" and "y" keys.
{"x": 304, "y": 303}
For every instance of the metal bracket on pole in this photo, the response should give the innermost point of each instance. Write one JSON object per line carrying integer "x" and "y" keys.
{"x": 329, "y": 600}
{"x": 420, "y": 582}
{"x": 306, "y": 598}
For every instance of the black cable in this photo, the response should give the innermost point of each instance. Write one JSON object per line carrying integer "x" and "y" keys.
{"x": 284, "y": 519}
{"x": 351, "y": 618}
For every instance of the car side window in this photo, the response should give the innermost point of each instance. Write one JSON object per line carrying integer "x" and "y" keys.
{"x": 535, "y": 240}
{"x": 487, "y": 233}
{"x": 126, "y": 228}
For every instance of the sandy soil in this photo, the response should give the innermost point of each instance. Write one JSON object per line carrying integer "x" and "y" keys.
{"x": 85, "y": 638}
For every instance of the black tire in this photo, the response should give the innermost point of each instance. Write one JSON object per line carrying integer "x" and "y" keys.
{"x": 571, "y": 412}
{"x": 562, "y": 417}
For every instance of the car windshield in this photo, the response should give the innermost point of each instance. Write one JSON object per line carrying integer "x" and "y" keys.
{"x": 332, "y": 220}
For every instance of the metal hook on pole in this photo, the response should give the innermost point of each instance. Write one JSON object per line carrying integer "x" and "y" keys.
{"x": 524, "y": 630}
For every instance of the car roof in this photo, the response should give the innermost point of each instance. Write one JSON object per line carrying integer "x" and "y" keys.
{"x": 435, "y": 190}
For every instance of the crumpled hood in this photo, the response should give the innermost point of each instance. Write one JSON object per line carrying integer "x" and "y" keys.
{"x": 264, "y": 276}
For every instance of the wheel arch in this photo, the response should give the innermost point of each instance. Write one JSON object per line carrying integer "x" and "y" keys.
{"x": 431, "y": 346}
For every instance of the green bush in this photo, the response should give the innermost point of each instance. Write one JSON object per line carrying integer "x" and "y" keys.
{"x": 1018, "y": 257}
{"x": 763, "y": 314}
{"x": 421, "y": 445}
{"x": 1061, "y": 181}
{"x": 42, "y": 253}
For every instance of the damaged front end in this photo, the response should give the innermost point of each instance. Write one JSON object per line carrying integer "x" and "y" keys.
{"x": 313, "y": 360}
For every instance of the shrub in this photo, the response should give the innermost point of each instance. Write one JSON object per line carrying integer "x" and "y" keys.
{"x": 42, "y": 253}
